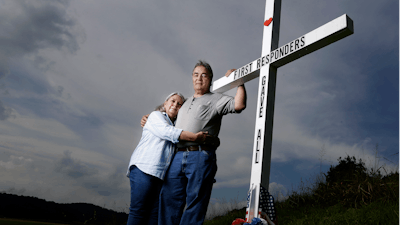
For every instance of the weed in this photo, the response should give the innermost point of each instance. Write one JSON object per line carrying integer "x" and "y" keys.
{"x": 349, "y": 194}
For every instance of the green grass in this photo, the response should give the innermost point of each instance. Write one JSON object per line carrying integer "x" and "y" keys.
{"x": 227, "y": 218}
{"x": 349, "y": 195}
{"x": 374, "y": 213}
{"x": 5, "y": 221}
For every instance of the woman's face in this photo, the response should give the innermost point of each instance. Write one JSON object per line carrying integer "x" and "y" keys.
{"x": 172, "y": 106}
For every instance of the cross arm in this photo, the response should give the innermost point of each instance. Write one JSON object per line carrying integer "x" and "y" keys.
{"x": 322, "y": 36}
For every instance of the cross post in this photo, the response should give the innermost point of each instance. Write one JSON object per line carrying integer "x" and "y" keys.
{"x": 266, "y": 67}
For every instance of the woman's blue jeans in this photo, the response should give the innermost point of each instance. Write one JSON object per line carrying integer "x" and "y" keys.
{"x": 189, "y": 181}
{"x": 145, "y": 192}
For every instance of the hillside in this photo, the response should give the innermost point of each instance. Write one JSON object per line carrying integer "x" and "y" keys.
{"x": 347, "y": 194}
{"x": 31, "y": 208}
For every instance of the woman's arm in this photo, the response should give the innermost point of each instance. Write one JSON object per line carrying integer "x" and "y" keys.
{"x": 157, "y": 125}
{"x": 201, "y": 138}
{"x": 195, "y": 137}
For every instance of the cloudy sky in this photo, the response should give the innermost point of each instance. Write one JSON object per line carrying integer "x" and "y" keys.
{"x": 77, "y": 76}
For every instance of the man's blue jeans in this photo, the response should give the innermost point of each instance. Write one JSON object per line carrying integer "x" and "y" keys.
{"x": 189, "y": 181}
{"x": 145, "y": 191}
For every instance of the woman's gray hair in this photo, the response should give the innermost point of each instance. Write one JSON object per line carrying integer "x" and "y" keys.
{"x": 161, "y": 107}
{"x": 176, "y": 93}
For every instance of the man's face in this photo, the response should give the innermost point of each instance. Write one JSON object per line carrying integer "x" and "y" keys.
{"x": 201, "y": 79}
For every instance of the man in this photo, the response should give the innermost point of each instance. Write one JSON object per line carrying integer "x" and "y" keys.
{"x": 190, "y": 177}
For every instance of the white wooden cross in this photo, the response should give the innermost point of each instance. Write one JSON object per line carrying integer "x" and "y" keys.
{"x": 265, "y": 67}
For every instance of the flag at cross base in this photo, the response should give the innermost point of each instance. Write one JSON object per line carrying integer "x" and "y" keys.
{"x": 266, "y": 203}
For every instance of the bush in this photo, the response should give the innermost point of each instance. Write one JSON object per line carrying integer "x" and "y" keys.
{"x": 348, "y": 184}
{"x": 346, "y": 171}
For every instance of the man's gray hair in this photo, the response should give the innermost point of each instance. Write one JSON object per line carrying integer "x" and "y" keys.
{"x": 206, "y": 65}
{"x": 161, "y": 106}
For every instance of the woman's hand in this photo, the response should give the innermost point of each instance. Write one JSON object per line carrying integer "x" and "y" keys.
{"x": 201, "y": 137}
{"x": 206, "y": 139}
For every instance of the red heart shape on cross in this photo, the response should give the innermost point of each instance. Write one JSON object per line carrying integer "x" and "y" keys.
{"x": 267, "y": 22}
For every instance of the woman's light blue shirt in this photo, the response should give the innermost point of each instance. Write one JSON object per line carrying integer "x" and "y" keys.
{"x": 156, "y": 148}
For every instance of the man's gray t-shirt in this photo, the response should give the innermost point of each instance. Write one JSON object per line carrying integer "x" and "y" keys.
{"x": 204, "y": 114}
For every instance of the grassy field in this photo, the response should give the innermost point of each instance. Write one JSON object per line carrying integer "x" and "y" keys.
{"x": 4, "y": 221}
{"x": 228, "y": 218}
{"x": 346, "y": 194}
{"x": 374, "y": 213}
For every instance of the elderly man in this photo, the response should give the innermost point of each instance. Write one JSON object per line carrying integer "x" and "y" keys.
{"x": 190, "y": 177}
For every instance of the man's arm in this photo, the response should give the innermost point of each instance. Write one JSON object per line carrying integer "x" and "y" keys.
{"x": 240, "y": 97}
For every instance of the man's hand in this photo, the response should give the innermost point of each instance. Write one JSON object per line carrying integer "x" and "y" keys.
{"x": 144, "y": 120}
{"x": 229, "y": 72}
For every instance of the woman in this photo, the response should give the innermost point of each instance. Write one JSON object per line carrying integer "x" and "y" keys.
{"x": 151, "y": 158}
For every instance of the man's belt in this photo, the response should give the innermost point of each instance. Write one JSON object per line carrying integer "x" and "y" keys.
{"x": 195, "y": 148}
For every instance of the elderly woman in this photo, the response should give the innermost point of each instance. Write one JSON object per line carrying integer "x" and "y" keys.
{"x": 151, "y": 158}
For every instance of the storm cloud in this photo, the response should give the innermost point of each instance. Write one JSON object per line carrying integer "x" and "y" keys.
{"x": 33, "y": 25}
{"x": 72, "y": 167}
{"x": 28, "y": 27}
